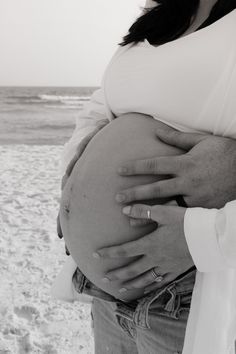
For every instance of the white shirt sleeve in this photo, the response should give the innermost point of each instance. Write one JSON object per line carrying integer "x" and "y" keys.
{"x": 88, "y": 119}
{"x": 211, "y": 237}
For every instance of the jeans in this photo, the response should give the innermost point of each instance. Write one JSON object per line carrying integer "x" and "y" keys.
{"x": 153, "y": 324}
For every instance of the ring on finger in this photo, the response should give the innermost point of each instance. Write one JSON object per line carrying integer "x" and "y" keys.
{"x": 156, "y": 277}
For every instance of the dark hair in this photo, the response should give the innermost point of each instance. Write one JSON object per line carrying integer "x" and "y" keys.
{"x": 170, "y": 19}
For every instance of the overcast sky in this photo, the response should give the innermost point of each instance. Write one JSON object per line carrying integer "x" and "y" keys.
{"x": 60, "y": 42}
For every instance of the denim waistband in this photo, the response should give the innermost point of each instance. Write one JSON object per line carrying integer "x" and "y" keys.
{"x": 84, "y": 286}
{"x": 168, "y": 299}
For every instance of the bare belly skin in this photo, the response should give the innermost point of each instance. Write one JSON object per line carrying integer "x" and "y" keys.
{"x": 94, "y": 219}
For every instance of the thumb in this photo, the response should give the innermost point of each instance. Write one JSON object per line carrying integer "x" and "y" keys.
{"x": 185, "y": 141}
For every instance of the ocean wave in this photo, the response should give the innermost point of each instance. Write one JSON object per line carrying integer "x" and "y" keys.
{"x": 48, "y": 99}
{"x": 63, "y": 98}
{"x": 77, "y": 106}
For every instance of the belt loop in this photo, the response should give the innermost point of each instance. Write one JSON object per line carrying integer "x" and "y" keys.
{"x": 142, "y": 310}
{"x": 170, "y": 305}
{"x": 124, "y": 311}
{"x": 79, "y": 281}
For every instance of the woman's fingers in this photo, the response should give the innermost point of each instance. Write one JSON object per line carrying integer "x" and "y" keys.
{"x": 167, "y": 278}
{"x": 161, "y": 214}
{"x": 140, "y": 222}
{"x": 129, "y": 271}
{"x": 154, "y": 166}
{"x": 143, "y": 211}
{"x": 144, "y": 281}
{"x": 126, "y": 250}
{"x": 162, "y": 189}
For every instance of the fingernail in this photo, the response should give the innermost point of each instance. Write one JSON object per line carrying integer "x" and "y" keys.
{"x": 120, "y": 198}
{"x": 96, "y": 255}
{"x": 126, "y": 210}
{"x": 122, "y": 170}
{"x": 105, "y": 280}
{"x": 158, "y": 279}
{"x": 122, "y": 290}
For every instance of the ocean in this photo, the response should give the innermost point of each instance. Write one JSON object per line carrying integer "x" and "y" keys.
{"x": 40, "y": 115}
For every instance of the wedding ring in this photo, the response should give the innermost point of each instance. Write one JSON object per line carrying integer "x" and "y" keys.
{"x": 149, "y": 214}
{"x": 156, "y": 277}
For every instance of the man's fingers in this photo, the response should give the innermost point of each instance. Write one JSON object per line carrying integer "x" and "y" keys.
{"x": 185, "y": 141}
{"x": 170, "y": 165}
{"x": 162, "y": 189}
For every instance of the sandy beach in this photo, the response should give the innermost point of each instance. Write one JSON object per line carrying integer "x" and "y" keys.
{"x": 31, "y": 255}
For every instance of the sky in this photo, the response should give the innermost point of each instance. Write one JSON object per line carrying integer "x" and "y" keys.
{"x": 61, "y": 42}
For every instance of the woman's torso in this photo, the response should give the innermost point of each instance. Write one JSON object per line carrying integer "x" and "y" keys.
{"x": 188, "y": 83}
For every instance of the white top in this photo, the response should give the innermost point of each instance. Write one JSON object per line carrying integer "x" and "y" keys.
{"x": 190, "y": 84}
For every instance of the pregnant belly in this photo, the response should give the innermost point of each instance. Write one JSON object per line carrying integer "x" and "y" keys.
{"x": 95, "y": 219}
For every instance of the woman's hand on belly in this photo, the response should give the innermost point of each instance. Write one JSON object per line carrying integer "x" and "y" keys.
{"x": 165, "y": 250}
{"x": 204, "y": 175}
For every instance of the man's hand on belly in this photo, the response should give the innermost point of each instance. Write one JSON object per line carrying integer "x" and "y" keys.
{"x": 204, "y": 175}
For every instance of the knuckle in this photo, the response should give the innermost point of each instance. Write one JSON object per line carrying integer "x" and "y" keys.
{"x": 138, "y": 284}
{"x": 195, "y": 181}
{"x": 189, "y": 163}
{"x": 120, "y": 252}
{"x": 106, "y": 253}
{"x": 130, "y": 273}
{"x": 180, "y": 185}
{"x": 130, "y": 194}
{"x": 156, "y": 190}
{"x": 151, "y": 165}
{"x": 113, "y": 276}
{"x": 131, "y": 168}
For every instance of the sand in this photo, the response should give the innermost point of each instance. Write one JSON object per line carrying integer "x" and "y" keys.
{"x": 31, "y": 255}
